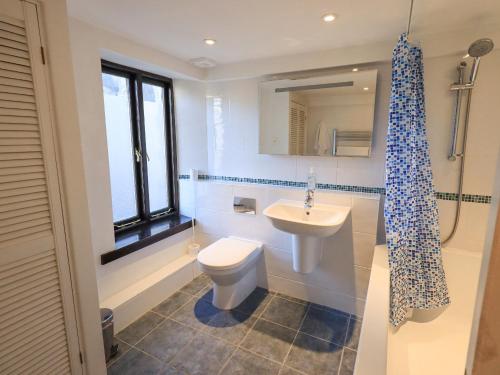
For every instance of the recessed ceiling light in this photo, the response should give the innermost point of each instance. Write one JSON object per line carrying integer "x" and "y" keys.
{"x": 210, "y": 42}
{"x": 355, "y": 69}
{"x": 366, "y": 88}
{"x": 329, "y": 17}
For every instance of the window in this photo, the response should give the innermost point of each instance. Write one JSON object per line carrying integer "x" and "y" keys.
{"x": 141, "y": 145}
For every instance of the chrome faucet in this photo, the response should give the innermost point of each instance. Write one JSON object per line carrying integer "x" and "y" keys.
{"x": 310, "y": 188}
{"x": 309, "y": 201}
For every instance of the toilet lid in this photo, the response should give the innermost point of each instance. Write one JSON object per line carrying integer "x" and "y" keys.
{"x": 227, "y": 253}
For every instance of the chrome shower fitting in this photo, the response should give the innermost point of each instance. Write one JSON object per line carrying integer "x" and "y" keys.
{"x": 476, "y": 50}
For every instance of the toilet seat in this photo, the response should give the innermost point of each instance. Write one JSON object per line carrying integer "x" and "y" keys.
{"x": 228, "y": 253}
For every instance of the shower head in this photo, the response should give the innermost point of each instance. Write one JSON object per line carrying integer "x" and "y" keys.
{"x": 476, "y": 50}
{"x": 480, "y": 47}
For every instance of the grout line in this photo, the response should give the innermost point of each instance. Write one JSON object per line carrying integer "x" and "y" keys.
{"x": 292, "y": 299}
{"x": 238, "y": 346}
{"x": 341, "y": 359}
{"x": 296, "y": 335}
{"x": 180, "y": 307}
{"x": 164, "y": 319}
{"x": 151, "y": 311}
{"x": 362, "y": 267}
{"x": 278, "y": 324}
{"x": 113, "y": 360}
{"x": 347, "y": 332}
{"x": 148, "y": 354}
{"x": 305, "y": 333}
{"x": 181, "y": 350}
{"x": 330, "y": 310}
{"x": 148, "y": 332}
{"x": 294, "y": 369}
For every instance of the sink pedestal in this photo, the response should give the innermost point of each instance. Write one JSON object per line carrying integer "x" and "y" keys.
{"x": 307, "y": 252}
{"x": 308, "y": 228}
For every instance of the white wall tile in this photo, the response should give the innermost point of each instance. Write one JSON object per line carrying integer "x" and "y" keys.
{"x": 472, "y": 226}
{"x": 270, "y": 167}
{"x": 341, "y": 199}
{"x": 318, "y": 295}
{"x": 276, "y": 193}
{"x": 259, "y": 227}
{"x": 214, "y": 196}
{"x": 190, "y": 120}
{"x": 478, "y": 176}
{"x": 260, "y": 194}
{"x": 361, "y": 172}
{"x": 364, "y": 245}
{"x": 337, "y": 273}
{"x": 365, "y": 214}
{"x": 362, "y": 278}
{"x": 216, "y": 223}
{"x": 186, "y": 198}
{"x": 325, "y": 169}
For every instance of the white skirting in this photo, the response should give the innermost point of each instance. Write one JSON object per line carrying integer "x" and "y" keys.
{"x": 134, "y": 301}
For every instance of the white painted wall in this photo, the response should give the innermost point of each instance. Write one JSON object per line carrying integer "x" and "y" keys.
{"x": 88, "y": 46}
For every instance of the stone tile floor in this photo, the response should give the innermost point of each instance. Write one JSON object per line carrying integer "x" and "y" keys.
{"x": 269, "y": 333}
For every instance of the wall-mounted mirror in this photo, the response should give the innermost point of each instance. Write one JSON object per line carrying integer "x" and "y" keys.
{"x": 323, "y": 116}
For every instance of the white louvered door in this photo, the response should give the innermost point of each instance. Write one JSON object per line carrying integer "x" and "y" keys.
{"x": 38, "y": 330}
{"x": 297, "y": 128}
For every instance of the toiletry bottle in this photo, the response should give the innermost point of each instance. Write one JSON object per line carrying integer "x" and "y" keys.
{"x": 311, "y": 187}
{"x": 311, "y": 180}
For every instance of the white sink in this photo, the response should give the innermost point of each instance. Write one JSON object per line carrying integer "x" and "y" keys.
{"x": 322, "y": 220}
{"x": 308, "y": 228}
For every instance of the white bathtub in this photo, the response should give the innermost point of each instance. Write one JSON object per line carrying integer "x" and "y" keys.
{"x": 431, "y": 342}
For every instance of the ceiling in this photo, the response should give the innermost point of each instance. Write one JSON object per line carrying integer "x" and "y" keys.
{"x": 255, "y": 29}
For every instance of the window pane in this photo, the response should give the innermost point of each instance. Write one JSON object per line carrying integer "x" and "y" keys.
{"x": 156, "y": 143}
{"x": 120, "y": 146}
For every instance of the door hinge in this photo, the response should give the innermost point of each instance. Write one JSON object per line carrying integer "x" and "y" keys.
{"x": 42, "y": 51}
{"x": 81, "y": 358}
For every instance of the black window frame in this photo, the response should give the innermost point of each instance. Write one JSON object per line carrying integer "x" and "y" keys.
{"x": 136, "y": 77}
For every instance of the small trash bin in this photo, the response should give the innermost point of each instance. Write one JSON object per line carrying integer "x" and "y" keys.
{"x": 108, "y": 333}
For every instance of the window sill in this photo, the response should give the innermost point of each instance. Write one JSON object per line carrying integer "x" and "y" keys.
{"x": 144, "y": 235}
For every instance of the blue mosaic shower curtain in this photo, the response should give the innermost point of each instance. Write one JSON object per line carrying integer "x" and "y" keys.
{"x": 411, "y": 214}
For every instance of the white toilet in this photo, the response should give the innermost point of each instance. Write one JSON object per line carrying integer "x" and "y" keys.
{"x": 231, "y": 263}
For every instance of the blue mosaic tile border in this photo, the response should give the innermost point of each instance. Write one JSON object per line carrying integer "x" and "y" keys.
{"x": 473, "y": 198}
